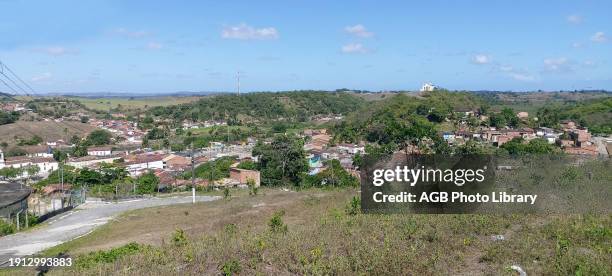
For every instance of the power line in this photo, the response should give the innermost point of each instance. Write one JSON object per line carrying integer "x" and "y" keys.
{"x": 24, "y": 91}
{"x": 18, "y": 78}
{"x": 13, "y": 82}
{"x": 7, "y": 85}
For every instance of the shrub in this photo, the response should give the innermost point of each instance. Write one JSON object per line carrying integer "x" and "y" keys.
{"x": 230, "y": 267}
{"x": 253, "y": 190}
{"x": 354, "y": 206}
{"x": 6, "y": 228}
{"x": 226, "y": 193}
{"x": 179, "y": 238}
{"x": 276, "y": 222}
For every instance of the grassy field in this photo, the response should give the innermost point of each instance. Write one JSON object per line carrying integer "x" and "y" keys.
{"x": 49, "y": 131}
{"x": 133, "y": 103}
{"x": 316, "y": 232}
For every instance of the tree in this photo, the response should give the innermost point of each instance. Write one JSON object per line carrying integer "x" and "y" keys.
{"x": 59, "y": 155}
{"x": 99, "y": 137}
{"x": 10, "y": 172}
{"x": 247, "y": 165}
{"x": 334, "y": 175}
{"x": 147, "y": 183}
{"x": 283, "y": 161}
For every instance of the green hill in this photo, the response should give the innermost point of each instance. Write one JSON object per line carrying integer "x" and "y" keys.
{"x": 290, "y": 106}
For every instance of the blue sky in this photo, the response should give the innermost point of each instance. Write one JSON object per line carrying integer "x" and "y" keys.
{"x": 157, "y": 46}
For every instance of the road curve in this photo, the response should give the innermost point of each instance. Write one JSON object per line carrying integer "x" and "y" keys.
{"x": 78, "y": 222}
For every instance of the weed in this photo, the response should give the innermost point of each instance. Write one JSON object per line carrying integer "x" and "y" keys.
{"x": 354, "y": 206}
{"x": 230, "y": 267}
{"x": 179, "y": 238}
{"x": 276, "y": 222}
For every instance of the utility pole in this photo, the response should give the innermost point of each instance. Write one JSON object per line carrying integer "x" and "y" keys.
{"x": 238, "y": 80}
{"x": 192, "y": 176}
{"x": 62, "y": 183}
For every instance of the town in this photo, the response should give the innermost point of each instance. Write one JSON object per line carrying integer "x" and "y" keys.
{"x": 133, "y": 162}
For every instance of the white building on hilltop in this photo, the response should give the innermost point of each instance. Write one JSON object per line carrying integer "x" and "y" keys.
{"x": 428, "y": 87}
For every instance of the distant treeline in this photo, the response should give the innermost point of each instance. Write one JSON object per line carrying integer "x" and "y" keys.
{"x": 290, "y": 106}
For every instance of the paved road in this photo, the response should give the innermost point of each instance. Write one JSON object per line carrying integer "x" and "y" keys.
{"x": 75, "y": 223}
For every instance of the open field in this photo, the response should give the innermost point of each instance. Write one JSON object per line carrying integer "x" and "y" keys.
{"x": 49, "y": 131}
{"x": 241, "y": 236}
{"x": 133, "y": 103}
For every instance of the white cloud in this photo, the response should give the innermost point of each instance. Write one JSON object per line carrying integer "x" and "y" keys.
{"x": 42, "y": 77}
{"x": 506, "y": 68}
{"x": 599, "y": 37}
{"x": 557, "y": 65}
{"x": 574, "y": 19}
{"x": 354, "y": 48}
{"x": 246, "y": 32}
{"x": 131, "y": 33}
{"x": 522, "y": 76}
{"x": 358, "y": 30}
{"x": 481, "y": 59}
{"x": 577, "y": 45}
{"x": 154, "y": 46}
{"x": 56, "y": 51}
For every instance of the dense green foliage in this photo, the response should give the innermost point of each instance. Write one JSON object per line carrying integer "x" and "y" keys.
{"x": 390, "y": 120}
{"x": 535, "y": 146}
{"x": 147, "y": 183}
{"x": 213, "y": 170}
{"x": 334, "y": 175}
{"x": 292, "y": 106}
{"x": 281, "y": 162}
{"x": 99, "y": 137}
{"x": 8, "y": 117}
{"x": 594, "y": 114}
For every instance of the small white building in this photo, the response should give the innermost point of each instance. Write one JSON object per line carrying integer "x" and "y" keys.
{"x": 427, "y": 87}
{"x": 351, "y": 148}
{"x": 45, "y": 164}
{"x": 136, "y": 165}
{"x": 99, "y": 151}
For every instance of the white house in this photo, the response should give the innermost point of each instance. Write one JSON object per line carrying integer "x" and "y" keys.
{"x": 91, "y": 160}
{"x": 351, "y": 148}
{"x": 99, "y": 151}
{"x": 45, "y": 164}
{"x": 426, "y": 87}
{"x": 141, "y": 162}
{"x": 39, "y": 151}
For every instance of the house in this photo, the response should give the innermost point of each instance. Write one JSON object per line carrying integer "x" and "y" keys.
{"x": 91, "y": 161}
{"x": 428, "y": 87}
{"x": 568, "y": 125}
{"x": 177, "y": 162}
{"x": 448, "y": 137}
{"x": 38, "y": 151}
{"x": 465, "y": 111}
{"x": 169, "y": 179}
{"x": 580, "y": 136}
{"x": 99, "y": 151}
{"x": 136, "y": 164}
{"x": 522, "y": 115}
{"x": 45, "y": 164}
{"x": 242, "y": 176}
{"x": 351, "y": 148}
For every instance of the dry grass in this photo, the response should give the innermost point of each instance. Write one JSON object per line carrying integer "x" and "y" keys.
{"x": 49, "y": 131}
{"x": 234, "y": 236}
